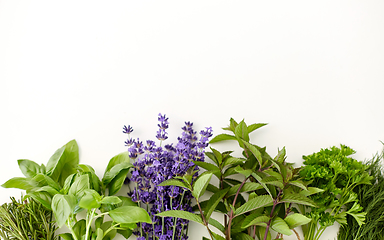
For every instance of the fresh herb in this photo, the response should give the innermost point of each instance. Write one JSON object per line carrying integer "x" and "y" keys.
{"x": 337, "y": 175}
{"x": 25, "y": 220}
{"x": 68, "y": 188}
{"x": 154, "y": 164}
{"x": 371, "y": 199}
{"x": 262, "y": 200}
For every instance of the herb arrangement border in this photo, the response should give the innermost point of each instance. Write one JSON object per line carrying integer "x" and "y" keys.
{"x": 258, "y": 196}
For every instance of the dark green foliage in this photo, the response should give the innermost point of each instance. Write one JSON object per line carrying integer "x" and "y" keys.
{"x": 25, "y": 220}
{"x": 371, "y": 198}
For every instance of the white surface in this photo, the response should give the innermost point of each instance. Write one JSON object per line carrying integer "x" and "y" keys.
{"x": 82, "y": 69}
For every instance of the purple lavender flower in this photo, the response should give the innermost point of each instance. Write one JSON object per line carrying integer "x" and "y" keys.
{"x": 154, "y": 164}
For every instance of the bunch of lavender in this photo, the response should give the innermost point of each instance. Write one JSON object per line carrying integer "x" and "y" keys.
{"x": 154, "y": 164}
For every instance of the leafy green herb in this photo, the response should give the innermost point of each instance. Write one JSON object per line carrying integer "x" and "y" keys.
{"x": 337, "y": 175}
{"x": 262, "y": 200}
{"x": 25, "y": 220}
{"x": 371, "y": 199}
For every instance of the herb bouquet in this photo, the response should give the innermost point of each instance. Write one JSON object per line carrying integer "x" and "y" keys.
{"x": 153, "y": 164}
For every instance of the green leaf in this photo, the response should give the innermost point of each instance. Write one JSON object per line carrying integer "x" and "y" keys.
{"x": 126, "y": 233}
{"x": 298, "y": 183}
{"x": 230, "y": 171}
{"x": 100, "y": 234}
{"x": 244, "y": 172}
{"x": 110, "y": 200}
{"x": 216, "y": 224}
{"x": 217, "y": 236}
{"x": 233, "y": 160}
{"x": 44, "y": 198}
{"x": 213, "y": 201}
{"x": 209, "y": 167}
{"x": 218, "y": 156}
{"x": 255, "y": 152}
{"x": 273, "y": 181}
{"x": 79, "y": 186}
{"x": 67, "y": 183}
{"x": 280, "y": 157}
{"x": 257, "y": 202}
{"x": 66, "y": 236}
{"x": 255, "y": 219}
{"x": 114, "y": 171}
{"x": 63, "y": 162}
{"x": 90, "y": 200}
{"x": 298, "y": 198}
{"x": 174, "y": 182}
{"x": 212, "y": 157}
{"x": 47, "y": 189}
{"x": 119, "y": 158}
{"x": 241, "y": 133}
{"x": 201, "y": 184}
{"x": 79, "y": 228}
{"x": 129, "y": 214}
{"x": 111, "y": 234}
{"x": 232, "y": 125}
{"x": 280, "y": 226}
{"x": 296, "y": 219}
{"x": 255, "y": 126}
{"x": 247, "y": 187}
{"x": 260, "y": 180}
{"x": 357, "y": 214}
{"x": 242, "y": 236}
{"x": 29, "y": 168}
{"x": 222, "y": 137}
{"x": 20, "y": 183}
{"x": 212, "y": 188}
{"x": 311, "y": 191}
{"x": 126, "y": 201}
{"x": 115, "y": 185}
{"x": 44, "y": 180}
{"x": 181, "y": 214}
{"x": 62, "y": 207}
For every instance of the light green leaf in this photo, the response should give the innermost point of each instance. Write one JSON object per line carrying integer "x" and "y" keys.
{"x": 217, "y": 236}
{"x": 63, "y": 162}
{"x": 44, "y": 198}
{"x": 126, "y": 233}
{"x": 260, "y": 180}
{"x": 29, "y": 168}
{"x": 280, "y": 226}
{"x": 100, "y": 234}
{"x": 119, "y": 158}
{"x": 201, "y": 184}
{"x": 298, "y": 183}
{"x": 44, "y": 180}
{"x": 110, "y": 200}
{"x": 213, "y": 201}
{"x": 79, "y": 186}
{"x": 218, "y": 156}
{"x": 296, "y": 219}
{"x": 20, "y": 183}
{"x": 357, "y": 214}
{"x": 114, "y": 171}
{"x": 216, "y": 224}
{"x": 90, "y": 200}
{"x": 79, "y": 228}
{"x": 280, "y": 157}
{"x": 174, "y": 182}
{"x": 244, "y": 172}
{"x": 67, "y": 183}
{"x": 257, "y": 202}
{"x": 129, "y": 214}
{"x": 117, "y": 182}
{"x": 242, "y": 236}
{"x": 62, "y": 207}
{"x": 298, "y": 198}
{"x": 126, "y": 201}
{"x": 233, "y": 160}
{"x": 241, "y": 132}
{"x": 209, "y": 167}
{"x": 181, "y": 214}
{"x": 311, "y": 191}
{"x": 222, "y": 137}
{"x": 66, "y": 236}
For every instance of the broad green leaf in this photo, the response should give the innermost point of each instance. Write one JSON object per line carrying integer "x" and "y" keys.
{"x": 126, "y": 233}
{"x": 128, "y": 225}
{"x": 44, "y": 198}
{"x": 126, "y": 201}
{"x": 115, "y": 185}
{"x": 296, "y": 219}
{"x": 280, "y": 226}
{"x": 79, "y": 186}
{"x": 255, "y": 152}
{"x": 255, "y": 126}
{"x": 357, "y": 214}
{"x": 255, "y": 219}
{"x": 212, "y": 188}
{"x": 29, "y": 168}
{"x": 100, "y": 234}
{"x": 273, "y": 181}
{"x": 44, "y": 180}
{"x": 298, "y": 198}
{"x": 67, "y": 183}
{"x": 257, "y": 176}
{"x": 79, "y": 228}
{"x": 257, "y": 202}
{"x": 311, "y": 191}
{"x": 129, "y": 214}
{"x": 47, "y": 189}
{"x": 272, "y": 173}
{"x": 110, "y": 200}
{"x": 222, "y": 137}
{"x": 63, "y": 162}
{"x": 230, "y": 171}
{"x": 181, "y": 214}
{"x": 247, "y": 187}
{"x": 216, "y": 224}
{"x": 114, "y": 171}
{"x": 232, "y": 125}
{"x": 209, "y": 167}
{"x": 90, "y": 199}
{"x": 212, "y": 157}
{"x": 213, "y": 201}
{"x": 244, "y": 172}
{"x": 20, "y": 183}
{"x": 174, "y": 182}
{"x": 62, "y": 207}
{"x": 217, "y": 236}
{"x": 201, "y": 184}
{"x": 66, "y": 236}
{"x": 218, "y": 156}
{"x": 119, "y": 158}
{"x": 99, "y": 221}
{"x": 111, "y": 234}
{"x": 280, "y": 157}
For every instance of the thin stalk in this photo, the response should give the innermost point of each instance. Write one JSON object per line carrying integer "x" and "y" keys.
{"x": 111, "y": 228}
{"x": 204, "y": 220}
{"x": 89, "y": 222}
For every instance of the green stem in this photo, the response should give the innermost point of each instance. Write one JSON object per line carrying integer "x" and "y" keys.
{"x": 69, "y": 225}
{"x": 110, "y": 229}
{"x": 88, "y": 223}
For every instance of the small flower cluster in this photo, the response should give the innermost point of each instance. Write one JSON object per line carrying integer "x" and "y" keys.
{"x": 154, "y": 164}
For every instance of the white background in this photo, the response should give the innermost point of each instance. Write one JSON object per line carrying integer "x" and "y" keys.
{"x": 81, "y": 70}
